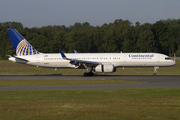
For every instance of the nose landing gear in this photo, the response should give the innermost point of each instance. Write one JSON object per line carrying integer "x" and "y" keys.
{"x": 155, "y": 71}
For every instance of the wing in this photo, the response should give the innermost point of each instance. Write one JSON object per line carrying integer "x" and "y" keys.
{"x": 80, "y": 62}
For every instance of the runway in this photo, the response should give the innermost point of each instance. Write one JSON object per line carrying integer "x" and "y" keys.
{"x": 147, "y": 81}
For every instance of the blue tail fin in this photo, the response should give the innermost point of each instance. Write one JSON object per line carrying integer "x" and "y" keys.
{"x": 20, "y": 44}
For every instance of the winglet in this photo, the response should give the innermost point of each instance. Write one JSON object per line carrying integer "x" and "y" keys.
{"x": 62, "y": 54}
{"x": 75, "y": 51}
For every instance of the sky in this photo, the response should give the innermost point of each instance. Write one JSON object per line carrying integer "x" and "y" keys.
{"x": 38, "y": 13}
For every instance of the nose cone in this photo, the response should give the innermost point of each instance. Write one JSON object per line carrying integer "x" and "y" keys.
{"x": 174, "y": 62}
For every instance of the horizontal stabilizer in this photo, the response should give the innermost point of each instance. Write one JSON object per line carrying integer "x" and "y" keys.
{"x": 17, "y": 59}
{"x": 21, "y": 59}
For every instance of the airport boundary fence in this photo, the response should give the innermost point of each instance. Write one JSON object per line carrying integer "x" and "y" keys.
{"x": 177, "y": 58}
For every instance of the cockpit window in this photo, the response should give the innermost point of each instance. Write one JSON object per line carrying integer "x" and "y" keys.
{"x": 167, "y": 58}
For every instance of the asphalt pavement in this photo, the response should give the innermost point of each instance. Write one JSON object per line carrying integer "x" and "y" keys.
{"x": 146, "y": 81}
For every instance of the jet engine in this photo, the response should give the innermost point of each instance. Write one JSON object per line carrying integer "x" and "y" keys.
{"x": 106, "y": 68}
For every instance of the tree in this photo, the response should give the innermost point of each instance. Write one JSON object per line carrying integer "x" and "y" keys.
{"x": 160, "y": 31}
{"x": 146, "y": 42}
{"x": 58, "y": 42}
{"x": 173, "y": 38}
{"x": 121, "y": 35}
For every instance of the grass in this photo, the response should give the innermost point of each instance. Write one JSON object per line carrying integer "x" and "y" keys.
{"x": 60, "y": 82}
{"x": 115, "y": 104}
{"x": 8, "y": 67}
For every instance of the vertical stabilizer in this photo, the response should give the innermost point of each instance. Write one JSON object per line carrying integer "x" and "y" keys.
{"x": 20, "y": 44}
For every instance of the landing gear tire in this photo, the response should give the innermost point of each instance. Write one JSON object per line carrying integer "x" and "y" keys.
{"x": 155, "y": 71}
{"x": 88, "y": 74}
{"x": 85, "y": 74}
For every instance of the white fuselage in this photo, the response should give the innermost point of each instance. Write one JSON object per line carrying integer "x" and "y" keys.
{"x": 117, "y": 59}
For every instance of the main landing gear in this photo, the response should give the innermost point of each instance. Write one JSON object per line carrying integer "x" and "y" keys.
{"x": 155, "y": 71}
{"x": 89, "y": 72}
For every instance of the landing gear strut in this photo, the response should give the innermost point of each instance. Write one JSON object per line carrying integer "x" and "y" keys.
{"x": 155, "y": 71}
{"x": 89, "y": 72}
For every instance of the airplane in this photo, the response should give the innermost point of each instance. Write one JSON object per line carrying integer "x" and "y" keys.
{"x": 97, "y": 62}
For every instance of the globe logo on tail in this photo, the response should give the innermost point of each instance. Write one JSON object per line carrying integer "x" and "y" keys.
{"x": 25, "y": 48}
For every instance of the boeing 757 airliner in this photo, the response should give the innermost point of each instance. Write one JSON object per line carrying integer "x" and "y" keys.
{"x": 97, "y": 62}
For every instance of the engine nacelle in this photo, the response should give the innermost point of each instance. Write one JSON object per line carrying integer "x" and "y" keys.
{"x": 106, "y": 68}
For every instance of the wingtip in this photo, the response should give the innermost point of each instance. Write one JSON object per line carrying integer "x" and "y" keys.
{"x": 75, "y": 51}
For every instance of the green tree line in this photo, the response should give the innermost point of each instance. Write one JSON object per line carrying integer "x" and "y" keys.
{"x": 121, "y": 35}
